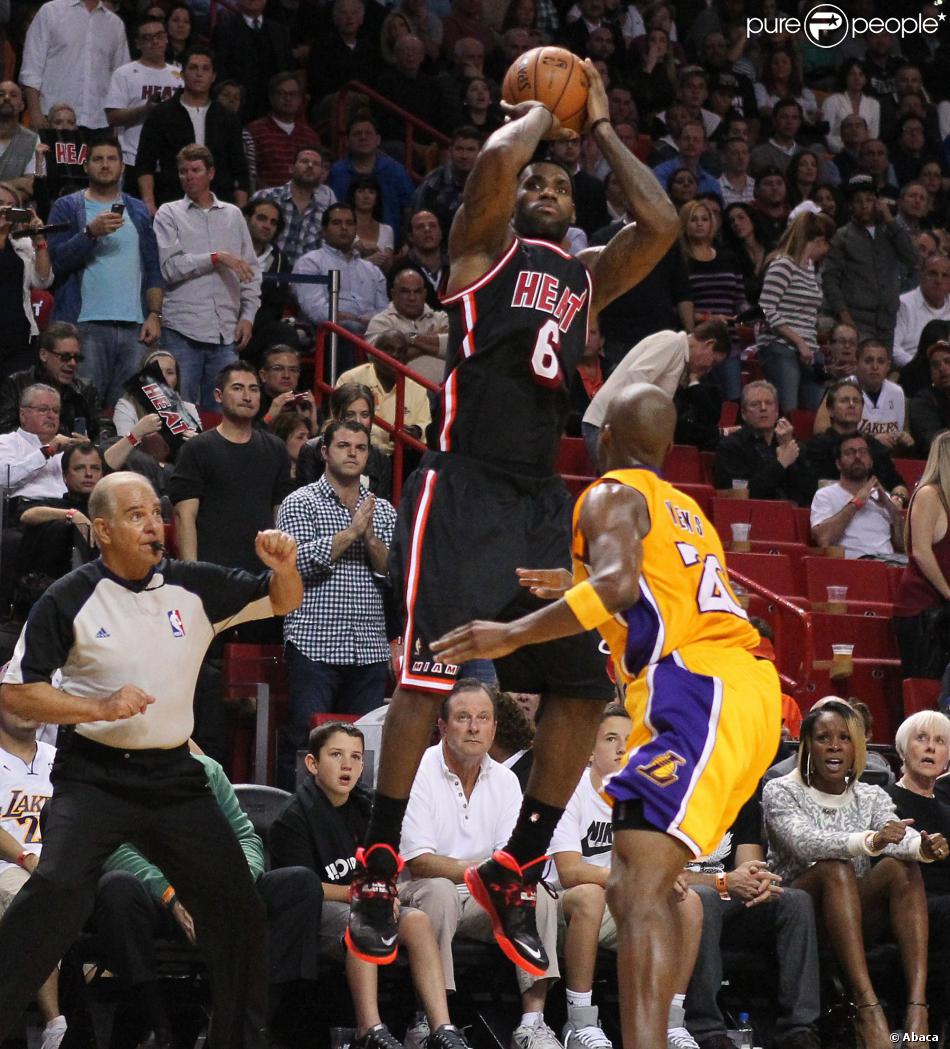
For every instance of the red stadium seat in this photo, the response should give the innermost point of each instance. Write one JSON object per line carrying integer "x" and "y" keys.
{"x": 872, "y": 636}
{"x": 867, "y": 582}
{"x": 803, "y": 524}
{"x": 728, "y": 414}
{"x": 803, "y": 423}
{"x": 875, "y": 683}
{"x": 682, "y": 465}
{"x": 773, "y": 571}
{"x": 702, "y": 493}
{"x": 708, "y": 460}
{"x": 796, "y": 553}
{"x": 770, "y": 519}
{"x": 920, "y": 693}
{"x": 325, "y": 719}
{"x": 259, "y": 671}
{"x": 572, "y": 457}
{"x": 910, "y": 470}
{"x": 209, "y": 420}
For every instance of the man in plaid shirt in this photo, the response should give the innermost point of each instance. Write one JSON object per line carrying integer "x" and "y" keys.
{"x": 302, "y": 202}
{"x": 336, "y": 647}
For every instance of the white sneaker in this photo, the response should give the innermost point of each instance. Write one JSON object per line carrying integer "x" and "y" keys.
{"x": 540, "y": 1036}
{"x": 53, "y": 1033}
{"x": 680, "y": 1038}
{"x": 583, "y": 1030}
{"x": 416, "y": 1035}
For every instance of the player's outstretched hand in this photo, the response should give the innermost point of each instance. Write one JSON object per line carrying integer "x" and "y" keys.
{"x": 124, "y": 703}
{"x": 522, "y": 109}
{"x": 547, "y": 583}
{"x": 476, "y": 640}
{"x": 276, "y": 549}
{"x": 597, "y": 105}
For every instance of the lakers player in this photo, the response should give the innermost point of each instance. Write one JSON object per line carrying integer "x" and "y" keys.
{"x": 649, "y": 574}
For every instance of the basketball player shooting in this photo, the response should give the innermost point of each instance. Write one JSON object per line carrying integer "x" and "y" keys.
{"x": 489, "y": 500}
{"x": 649, "y": 574}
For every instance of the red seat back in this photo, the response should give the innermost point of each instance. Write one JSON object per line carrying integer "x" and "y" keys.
{"x": 920, "y": 693}
{"x": 572, "y": 457}
{"x": 773, "y": 571}
{"x": 910, "y": 470}
{"x": 682, "y": 465}
{"x": 770, "y": 519}
{"x": 867, "y": 582}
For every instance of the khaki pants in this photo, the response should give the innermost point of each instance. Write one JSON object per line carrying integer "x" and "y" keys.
{"x": 451, "y": 912}
{"x": 12, "y": 879}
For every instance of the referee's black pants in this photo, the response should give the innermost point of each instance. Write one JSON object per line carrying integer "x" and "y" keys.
{"x": 160, "y": 801}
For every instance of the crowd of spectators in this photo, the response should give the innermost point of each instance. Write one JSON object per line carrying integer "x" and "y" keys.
{"x": 202, "y": 167}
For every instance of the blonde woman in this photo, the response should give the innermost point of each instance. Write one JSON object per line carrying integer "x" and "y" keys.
{"x": 824, "y": 826}
{"x": 790, "y": 300}
{"x": 716, "y": 288}
{"x": 924, "y": 588}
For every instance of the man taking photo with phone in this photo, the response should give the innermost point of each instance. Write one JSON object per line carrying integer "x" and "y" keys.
{"x": 108, "y": 281}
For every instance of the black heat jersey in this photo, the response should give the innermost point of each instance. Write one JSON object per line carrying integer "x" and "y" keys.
{"x": 515, "y": 336}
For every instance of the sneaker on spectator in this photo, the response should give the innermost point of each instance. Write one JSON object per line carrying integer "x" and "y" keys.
{"x": 538, "y": 1036}
{"x": 448, "y": 1036}
{"x": 53, "y": 1033}
{"x": 371, "y": 934}
{"x": 583, "y": 1030}
{"x": 680, "y": 1038}
{"x": 499, "y": 887}
{"x": 417, "y": 1034}
{"x": 378, "y": 1037}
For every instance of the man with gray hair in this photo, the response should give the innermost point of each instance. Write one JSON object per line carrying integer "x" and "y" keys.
{"x": 31, "y": 457}
{"x": 763, "y": 452}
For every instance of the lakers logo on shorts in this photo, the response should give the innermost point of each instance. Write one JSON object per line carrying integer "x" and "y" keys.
{"x": 662, "y": 769}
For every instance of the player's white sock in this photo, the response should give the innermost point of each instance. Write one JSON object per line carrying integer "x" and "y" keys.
{"x": 530, "y": 1019}
{"x": 677, "y": 1014}
{"x": 583, "y": 999}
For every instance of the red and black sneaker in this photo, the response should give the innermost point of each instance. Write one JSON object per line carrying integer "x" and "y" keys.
{"x": 499, "y": 886}
{"x": 371, "y": 933}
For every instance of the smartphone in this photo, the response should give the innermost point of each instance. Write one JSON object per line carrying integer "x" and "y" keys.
{"x": 18, "y": 215}
{"x": 117, "y": 209}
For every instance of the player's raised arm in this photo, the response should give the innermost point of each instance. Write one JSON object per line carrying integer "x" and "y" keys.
{"x": 481, "y": 228}
{"x": 639, "y": 246}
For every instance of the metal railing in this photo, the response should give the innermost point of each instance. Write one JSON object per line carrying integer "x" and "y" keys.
{"x": 411, "y": 121}
{"x": 322, "y": 388}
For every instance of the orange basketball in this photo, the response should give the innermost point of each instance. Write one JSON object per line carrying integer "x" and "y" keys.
{"x": 554, "y": 77}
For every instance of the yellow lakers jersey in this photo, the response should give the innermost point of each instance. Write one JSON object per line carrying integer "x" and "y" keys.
{"x": 685, "y": 597}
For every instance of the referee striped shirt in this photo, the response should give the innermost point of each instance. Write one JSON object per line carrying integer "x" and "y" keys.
{"x": 791, "y": 294}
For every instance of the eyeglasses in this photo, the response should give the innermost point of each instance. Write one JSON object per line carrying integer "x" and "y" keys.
{"x": 41, "y": 409}
{"x": 67, "y": 357}
{"x": 290, "y": 369}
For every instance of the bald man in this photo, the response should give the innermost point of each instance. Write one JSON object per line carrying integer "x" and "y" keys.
{"x": 649, "y": 574}
{"x": 128, "y": 633}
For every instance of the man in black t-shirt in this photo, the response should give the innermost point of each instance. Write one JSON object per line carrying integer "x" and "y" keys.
{"x": 226, "y": 487}
{"x": 229, "y": 481}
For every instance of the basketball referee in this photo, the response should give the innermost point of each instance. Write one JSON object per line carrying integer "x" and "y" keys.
{"x": 129, "y": 633}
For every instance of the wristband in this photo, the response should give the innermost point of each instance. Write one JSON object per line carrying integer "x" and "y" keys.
{"x": 70, "y": 514}
{"x": 47, "y": 451}
{"x": 857, "y": 503}
{"x": 168, "y": 897}
{"x": 584, "y": 601}
{"x": 722, "y": 886}
{"x": 214, "y": 258}
{"x": 596, "y": 124}
{"x": 21, "y": 859}
{"x": 869, "y": 843}
{"x": 40, "y": 245}
{"x": 132, "y": 439}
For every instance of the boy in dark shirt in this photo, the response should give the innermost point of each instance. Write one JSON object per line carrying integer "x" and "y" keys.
{"x": 320, "y": 829}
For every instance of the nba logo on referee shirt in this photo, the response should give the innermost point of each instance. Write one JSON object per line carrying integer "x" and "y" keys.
{"x": 176, "y": 623}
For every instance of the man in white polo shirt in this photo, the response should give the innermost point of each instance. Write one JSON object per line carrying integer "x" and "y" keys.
{"x": 462, "y": 808}
{"x": 929, "y": 302}
{"x": 31, "y": 457}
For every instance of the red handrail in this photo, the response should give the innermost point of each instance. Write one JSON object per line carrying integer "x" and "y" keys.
{"x": 412, "y": 122}
{"x": 400, "y": 438}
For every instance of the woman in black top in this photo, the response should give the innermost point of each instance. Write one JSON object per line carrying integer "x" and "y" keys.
{"x": 24, "y": 264}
